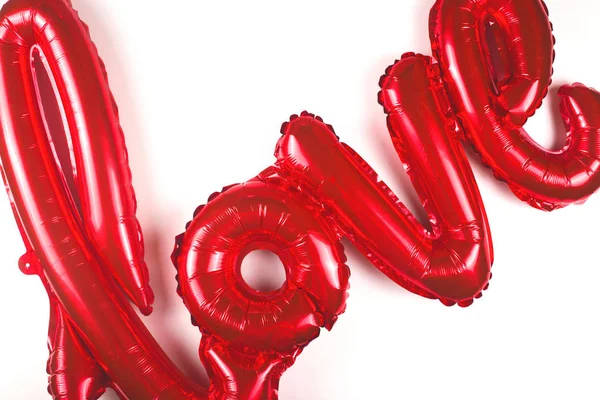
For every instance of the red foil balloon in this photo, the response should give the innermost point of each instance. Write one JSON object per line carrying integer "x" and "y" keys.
{"x": 318, "y": 191}
{"x": 452, "y": 262}
{"x": 87, "y": 245}
{"x": 454, "y": 259}
{"x": 249, "y": 338}
{"x": 493, "y": 106}
{"x": 95, "y": 337}
{"x": 29, "y": 29}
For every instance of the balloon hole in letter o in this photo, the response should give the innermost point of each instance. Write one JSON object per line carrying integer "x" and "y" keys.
{"x": 259, "y": 224}
{"x": 262, "y": 270}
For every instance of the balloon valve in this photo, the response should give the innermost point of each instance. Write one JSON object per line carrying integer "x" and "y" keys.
{"x": 29, "y": 264}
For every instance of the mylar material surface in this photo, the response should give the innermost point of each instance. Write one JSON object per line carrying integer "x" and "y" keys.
{"x": 95, "y": 337}
{"x": 249, "y": 337}
{"x": 493, "y": 97}
{"x": 50, "y": 30}
{"x": 452, "y": 261}
{"x": 86, "y": 245}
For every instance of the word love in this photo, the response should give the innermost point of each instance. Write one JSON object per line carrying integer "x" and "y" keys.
{"x": 86, "y": 245}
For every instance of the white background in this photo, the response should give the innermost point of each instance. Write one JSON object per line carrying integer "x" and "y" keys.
{"x": 203, "y": 87}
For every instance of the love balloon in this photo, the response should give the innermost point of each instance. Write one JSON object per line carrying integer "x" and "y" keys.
{"x": 86, "y": 245}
